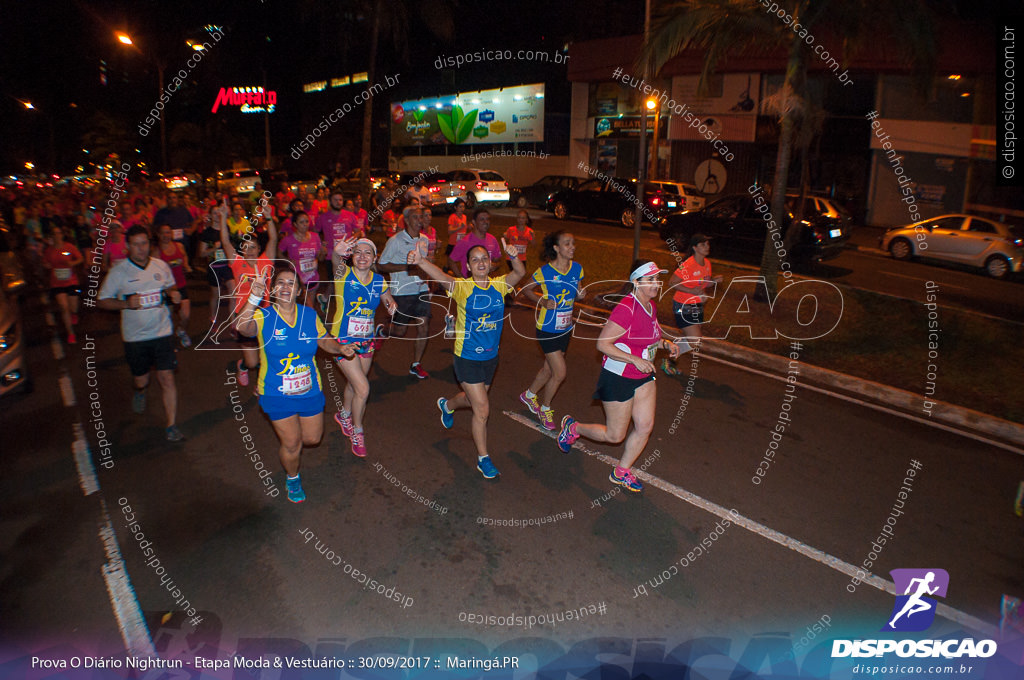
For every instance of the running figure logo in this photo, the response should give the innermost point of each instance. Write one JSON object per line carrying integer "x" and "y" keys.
{"x": 913, "y": 610}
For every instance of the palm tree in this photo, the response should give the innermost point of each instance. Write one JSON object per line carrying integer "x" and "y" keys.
{"x": 722, "y": 27}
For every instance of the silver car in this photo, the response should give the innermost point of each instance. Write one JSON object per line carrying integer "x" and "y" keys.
{"x": 474, "y": 185}
{"x": 965, "y": 239}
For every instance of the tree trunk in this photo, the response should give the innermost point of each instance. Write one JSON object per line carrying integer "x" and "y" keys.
{"x": 371, "y": 73}
{"x": 792, "y": 86}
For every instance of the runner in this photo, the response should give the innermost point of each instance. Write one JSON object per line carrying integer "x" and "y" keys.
{"x": 362, "y": 217}
{"x": 140, "y": 287}
{"x": 218, "y": 270}
{"x": 246, "y": 264}
{"x": 626, "y": 389}
{"x": 337, "y": 224}
{"x": 520, "y": 234}
{"x": 691, "y": 281}
{"x": 481, "y": 310}
{"x": 304, "y": 249}
{"x": 173, "y": 253}
{"x": 457, "y": 260}
{"x": 557, "y": 289}
{"x": 292, "y": 397}
{"x": 116, "y": 248}
{"x": 61, "y": 258}
{"x": 410, "y": 291}
{"x": 457, "y": 225}
{"x": 358, "y": 291}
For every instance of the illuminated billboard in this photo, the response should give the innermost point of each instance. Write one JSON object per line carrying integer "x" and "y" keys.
{"x": 503, "y": 116}
{"x": 248, "y": 99}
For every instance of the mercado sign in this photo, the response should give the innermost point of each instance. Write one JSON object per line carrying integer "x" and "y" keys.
{"x": 505, "y": 115}
{"x": 249, "y": 99}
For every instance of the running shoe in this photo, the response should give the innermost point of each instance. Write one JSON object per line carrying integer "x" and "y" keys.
{"x": 348, "y": 428}
{"x": 532, "y": 404}
{"x": 243, "y": 374}
{"x": 447, "y": 417}
{"x": 418, "y": 371}
{"x": 72, "y": 339}
{"x": 139, "y": 401}
{"x": 669, "y": 366}
{"x": 567, "y": 436}
{"x": 295, "y": 492}
{"x": 627, "y": 481}
{"x": 358, "y": 445}
{"x": 174, "y": 434}
{"x": 486, "y": 468}
{"x": 183, "y": 338}
{"x": 547, "y": 418}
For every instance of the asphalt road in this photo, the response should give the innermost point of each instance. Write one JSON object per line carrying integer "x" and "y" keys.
{"x": 259, "y": 571}
{"x": 862, "y": 265}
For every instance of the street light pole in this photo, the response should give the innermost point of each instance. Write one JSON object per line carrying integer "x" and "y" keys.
{"x": 642, "y": 165}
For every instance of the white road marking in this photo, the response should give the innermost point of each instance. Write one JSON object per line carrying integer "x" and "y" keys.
{"x": 122, "y": 595}
{"x": 916, "y": 278}
{"x": 839, "y": 565}
{"x": 67, "y": 392}
{"x": 83, "y": 460}
{"x": 57, "y": 348}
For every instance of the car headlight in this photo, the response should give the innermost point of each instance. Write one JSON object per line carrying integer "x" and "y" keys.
{"x": 9, "y": 337}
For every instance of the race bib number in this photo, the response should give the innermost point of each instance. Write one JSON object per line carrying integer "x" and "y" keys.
{"x": 649, "y": 352}
{"x": 298, "y": 382}
{"x": 563, "y": 319}
{"x": 177, "y": 234}
{"x": 150, "y": 300}
{"x": 306, "y": 266}
{"x": 520, "y": 249}
{"x": 62, "y": 274}
{"x": 219, "y": 254}
{"x": 360, "y": 327}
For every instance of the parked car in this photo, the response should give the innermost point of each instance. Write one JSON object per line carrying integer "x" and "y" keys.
{"x": 350, "y": 183}
{"x": 820, "y": 206}
{"x": 14, "y": 375}
{"x": 601, "y": 199}
{"x": 738, "y": 227}
{"x": 179, "y": 180}
{"x": 12, "y": 274}
{"x": 240, "y": 181}
{"x": 474, "y": 185}
{"x": 540, "y": 192}
{"x": 996, "y": 248}
{"x": 675, "y": 195}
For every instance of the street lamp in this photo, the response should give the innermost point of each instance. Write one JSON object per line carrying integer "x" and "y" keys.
{"x": 126, "y": 39}
{"x": 28, "y": 105}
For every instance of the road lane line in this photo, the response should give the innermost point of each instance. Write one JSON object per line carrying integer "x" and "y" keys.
{"x": 83, "y": 460}
{"x": 57, "y": 348}
{"x": 839, "y": 565}
{"x": 67, "y": 392}
{"x": 915, "y": 278}
{"x": 122, "y": 595}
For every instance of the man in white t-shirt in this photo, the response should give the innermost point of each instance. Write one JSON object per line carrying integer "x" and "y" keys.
{"x": 411, "y": 293}
{"x": 140, "y": 287}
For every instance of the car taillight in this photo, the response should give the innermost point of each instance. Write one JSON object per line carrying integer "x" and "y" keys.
{"x": 433, "y": 190}
{"x": 506, "y": 185}
{"x": 462, "y": 186}
{"x": 655, "y": 201}
{"x": 481, "y": 185}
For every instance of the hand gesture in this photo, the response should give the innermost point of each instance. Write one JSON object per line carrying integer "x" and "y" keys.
{"x": 343, "y": 248}
{"x": 259, "y": 286}
{"x": 642, "y": 365}
{"x": 415, "y": 256}
{"x": 509, "y": 250}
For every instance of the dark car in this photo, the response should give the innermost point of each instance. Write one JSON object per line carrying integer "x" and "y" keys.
{"x": 541, "y": 191}
{"x": 739, "y": 227}
{"x": 606, "y": 199}
{"x": 350, "y": 183}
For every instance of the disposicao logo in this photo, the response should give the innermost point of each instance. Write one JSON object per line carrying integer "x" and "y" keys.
{"x": 914, "y": 611}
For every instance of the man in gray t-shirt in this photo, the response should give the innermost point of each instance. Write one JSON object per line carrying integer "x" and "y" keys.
{"x": 140, "y": 287}
{"x": 411, "y": 293}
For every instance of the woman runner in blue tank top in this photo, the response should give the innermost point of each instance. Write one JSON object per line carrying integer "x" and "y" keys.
{"x": 289, "y": 384}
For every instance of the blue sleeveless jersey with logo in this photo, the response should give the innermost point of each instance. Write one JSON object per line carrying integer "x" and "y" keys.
{"x": 563, "y": 287}
{"x": 356, "y": 304}
{"x": 288, "y": 352}
{"x": 481, "y": 312}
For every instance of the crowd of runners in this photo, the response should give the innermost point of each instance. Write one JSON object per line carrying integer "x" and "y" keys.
{"x": 290, "y": 275}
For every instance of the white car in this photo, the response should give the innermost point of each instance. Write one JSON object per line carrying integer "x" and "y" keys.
{"x": 240, "y": 181}
{"x": 477, "y": 186}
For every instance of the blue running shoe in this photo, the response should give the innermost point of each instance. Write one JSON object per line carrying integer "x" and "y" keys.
{"x": 447, "y": 417}
{"x": 295, "y": 492}
{"x": 626, "y": 480}
{"x": 567, "y": 436}
{"x": 486, "y": 468}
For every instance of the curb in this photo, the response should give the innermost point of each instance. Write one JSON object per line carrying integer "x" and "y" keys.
{"x": 909, "y": 403}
